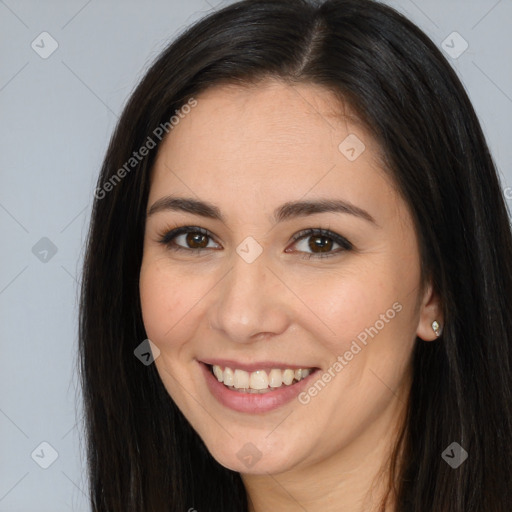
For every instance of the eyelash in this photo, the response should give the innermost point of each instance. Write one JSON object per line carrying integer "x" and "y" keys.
{"x": 168, "y": 237}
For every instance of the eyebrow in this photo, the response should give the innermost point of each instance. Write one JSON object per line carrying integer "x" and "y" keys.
{"x": 284, "y": 212}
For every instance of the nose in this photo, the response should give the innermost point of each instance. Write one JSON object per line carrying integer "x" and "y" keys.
{"x": 250, "y": 302}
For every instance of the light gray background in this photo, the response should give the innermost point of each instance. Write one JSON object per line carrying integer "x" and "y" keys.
{"x": 57, "y": 115}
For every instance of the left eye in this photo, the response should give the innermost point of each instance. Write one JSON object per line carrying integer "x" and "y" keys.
{"x": 320, "y": 243}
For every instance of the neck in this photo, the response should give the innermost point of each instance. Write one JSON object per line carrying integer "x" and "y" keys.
{"x": 353, "y": 479}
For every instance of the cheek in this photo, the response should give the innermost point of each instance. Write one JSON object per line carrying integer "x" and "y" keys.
{"x": 155, "y": 302}
{"x": 167, "y": 304}
{"x": 346, "y": 303}
{"x": 372, "y": 306}
{"x": 371, "y": 333}
{"x": 167, "y": 301}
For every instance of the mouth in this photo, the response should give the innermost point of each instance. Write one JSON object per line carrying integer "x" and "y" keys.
{"x": 265, "y": 380}
{"x": 258, "y": 388}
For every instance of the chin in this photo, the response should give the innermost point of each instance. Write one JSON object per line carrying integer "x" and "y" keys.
{"x": 254, "y": 457}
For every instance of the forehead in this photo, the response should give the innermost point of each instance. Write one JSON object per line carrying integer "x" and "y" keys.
{"x": 266, "y": 140}
{"x": 270, "y": 115}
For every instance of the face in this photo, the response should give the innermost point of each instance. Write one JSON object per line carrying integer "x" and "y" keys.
{"x": 274, "y": 243}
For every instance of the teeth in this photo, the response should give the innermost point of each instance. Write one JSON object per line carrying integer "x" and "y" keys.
{"x": 241, "y": 379}
{"x": 227, "y": 375}
{"x": 288, "y": 376}
{"x": 218, "y": 373}
{"x": 259, "y": 381}
{"x": 275, "y": 378}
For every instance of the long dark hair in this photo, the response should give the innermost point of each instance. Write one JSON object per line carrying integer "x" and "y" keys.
{"x": 142, "y": 453}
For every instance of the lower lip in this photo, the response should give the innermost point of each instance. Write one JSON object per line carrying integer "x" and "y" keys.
{"x": 253, "y": 402}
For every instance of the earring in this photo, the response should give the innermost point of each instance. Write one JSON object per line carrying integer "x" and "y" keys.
{"x": 436, "y": 328}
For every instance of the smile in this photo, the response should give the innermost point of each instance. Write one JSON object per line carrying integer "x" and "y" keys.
{"x": 258, "y": 388}
{"x": 259, "y": 381}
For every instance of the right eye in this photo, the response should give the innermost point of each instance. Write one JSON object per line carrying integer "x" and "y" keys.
{"x": 188, "y": 238}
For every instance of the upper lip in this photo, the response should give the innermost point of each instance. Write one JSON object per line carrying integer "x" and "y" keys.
{"x": 254, "y": 365}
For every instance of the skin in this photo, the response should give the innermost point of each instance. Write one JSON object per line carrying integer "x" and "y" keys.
{"x": 248, "y": 150}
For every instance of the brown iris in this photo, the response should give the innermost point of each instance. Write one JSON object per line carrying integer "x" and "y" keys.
{"x": 323, "y": 243}
{"x": 197, "y": 240}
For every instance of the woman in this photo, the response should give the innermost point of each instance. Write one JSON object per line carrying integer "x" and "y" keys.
{"x": 301, "y": 213}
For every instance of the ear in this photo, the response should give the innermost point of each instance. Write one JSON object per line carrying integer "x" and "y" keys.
{"x": 430, "y": 310}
